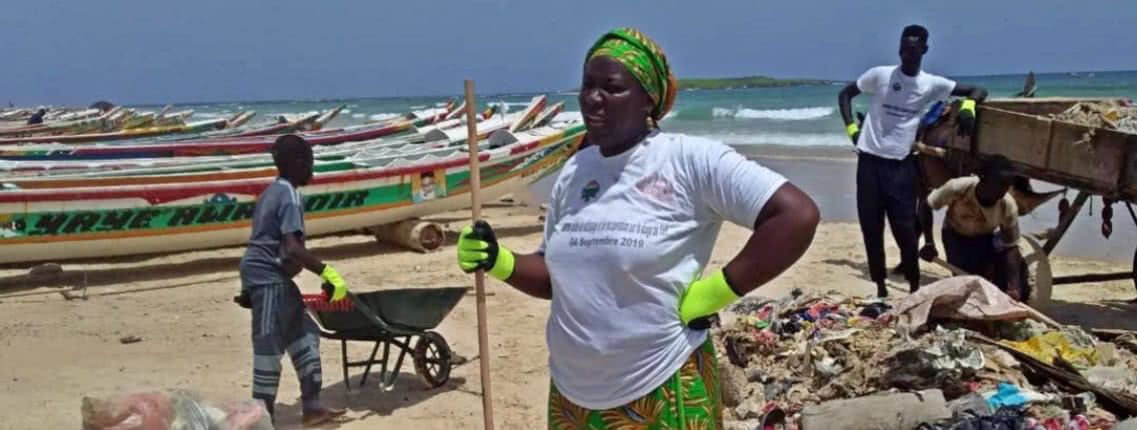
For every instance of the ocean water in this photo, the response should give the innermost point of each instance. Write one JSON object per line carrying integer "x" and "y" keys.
{"x": 805, "y": 116}
{"x": 762, "y": 122}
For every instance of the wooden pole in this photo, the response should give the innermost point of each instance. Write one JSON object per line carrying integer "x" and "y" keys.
{"x": 1064, "y": 223}
{"x": 1092, "y": 277}
{"x": 479, "y": 276}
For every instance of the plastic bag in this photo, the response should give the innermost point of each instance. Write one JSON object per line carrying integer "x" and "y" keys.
{"x": 172, "y": 410}
{"x": 1057, "y": 344}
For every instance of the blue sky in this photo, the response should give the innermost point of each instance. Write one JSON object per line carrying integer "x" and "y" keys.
{"x": 156, "y": 51}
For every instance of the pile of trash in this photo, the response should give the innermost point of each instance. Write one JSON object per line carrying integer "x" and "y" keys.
{"x": 172, "y": 409}
{"x": 1117, "y": 115}
{"x": 959, "y": 351}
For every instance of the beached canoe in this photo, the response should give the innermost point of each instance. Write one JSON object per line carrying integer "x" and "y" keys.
{"x": 195, "y": 127}
{"x": 345, "y": 156}
{"x": 108, "y": 173}
{"x": 217, "y": 147}
{"x": 100, "y": 122}
{"x": 65, "y": 224}
{"x": 185, "y": 148}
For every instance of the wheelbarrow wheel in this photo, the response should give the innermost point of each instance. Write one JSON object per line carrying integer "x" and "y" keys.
{"x": 432, "y": 359}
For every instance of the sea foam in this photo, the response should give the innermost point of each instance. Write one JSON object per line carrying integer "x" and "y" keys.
{"x": 790, "y": 114}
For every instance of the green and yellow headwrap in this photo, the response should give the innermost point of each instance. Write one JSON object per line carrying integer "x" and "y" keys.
{"x": 645, "y": 60}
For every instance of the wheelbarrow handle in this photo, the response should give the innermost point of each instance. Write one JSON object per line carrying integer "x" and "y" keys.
{"x": 360, "y": 306}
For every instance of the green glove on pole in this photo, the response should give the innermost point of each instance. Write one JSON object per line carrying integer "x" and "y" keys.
{"x": 479, "y": 276}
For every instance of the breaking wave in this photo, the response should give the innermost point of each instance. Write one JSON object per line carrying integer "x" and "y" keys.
{"x": 791, "y": 114}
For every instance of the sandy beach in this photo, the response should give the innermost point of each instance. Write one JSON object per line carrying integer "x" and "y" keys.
{"x": 54, "y": 351}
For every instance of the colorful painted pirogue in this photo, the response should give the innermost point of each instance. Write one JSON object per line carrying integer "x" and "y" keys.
{"x": 222, "y": 146}
{"x": 68, "y": 126}
{"x": 194, "y": 127}
{"x": 63, "y": 224}
{"x": 187, "y": 148}
{"x": 327, "y": 158}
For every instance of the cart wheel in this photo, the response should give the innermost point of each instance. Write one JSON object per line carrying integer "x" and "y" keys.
{"x": 432, "y": 359}
{"x": 1038, "y": 265}
{"x": 1135, "y": 269}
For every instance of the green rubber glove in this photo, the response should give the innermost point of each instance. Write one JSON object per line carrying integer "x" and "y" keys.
{"x": 854, "y": 132}
{"x": 478, "y": 249}
{"x": 966, "y": 118}
{"x": 339, "y": 287}
{"x": 705, "y": 297}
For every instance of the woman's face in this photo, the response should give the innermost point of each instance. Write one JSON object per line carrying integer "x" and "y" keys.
{"x": 614, "y": 106}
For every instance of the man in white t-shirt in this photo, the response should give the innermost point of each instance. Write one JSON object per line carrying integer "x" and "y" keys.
{"x": 886, "y": 171}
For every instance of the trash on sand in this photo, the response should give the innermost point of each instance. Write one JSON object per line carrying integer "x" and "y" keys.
{"x": 1116, "y": 378}
{"x": 886, "y": 411}
{"x": 806, "y": 350}
{"x": 1056, "y": 344}
{"x": 1010, "y": 395}
{"x": 967, "y": 297}
{"x": 175, "y": 409}
{"x": 951, "y": 350}
{"x": 129, "y": 339}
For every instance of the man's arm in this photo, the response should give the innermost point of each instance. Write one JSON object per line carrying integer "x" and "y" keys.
{"x": 867, "y": 82}
{"x": 1009, "y": 236}
{"x": 294, "y": 250}
{"x": 945, "y": 194}
{"x": 845, "y": 102}
{"x": 975, "y": 93}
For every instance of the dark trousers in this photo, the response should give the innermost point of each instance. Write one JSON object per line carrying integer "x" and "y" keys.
{"x": 974, "y": 254}
{"x": 888, "y": 188}
{"x": 978, "y": 256}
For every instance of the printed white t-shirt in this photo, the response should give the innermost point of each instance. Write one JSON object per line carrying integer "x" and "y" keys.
{"x": 624, "y": 236}
{"x": 898, "y": 103}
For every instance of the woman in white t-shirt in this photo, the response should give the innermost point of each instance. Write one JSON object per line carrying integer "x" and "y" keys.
{"x": 631, "y": 224}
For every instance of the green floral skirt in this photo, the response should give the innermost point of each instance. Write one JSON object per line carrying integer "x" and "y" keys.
{"x": 689, "y": 400}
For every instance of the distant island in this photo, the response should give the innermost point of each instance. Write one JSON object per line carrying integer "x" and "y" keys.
{"x": 746, "y": 82}
{"x": 742, "y": 82}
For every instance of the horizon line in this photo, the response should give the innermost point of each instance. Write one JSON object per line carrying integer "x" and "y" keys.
{"x": 549, "y": 92}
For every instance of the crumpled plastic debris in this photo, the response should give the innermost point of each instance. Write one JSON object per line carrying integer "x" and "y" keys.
{"x": 174, "y": 409}
{"x": 1057, "y": 344}
{"x": 950, "y": 350}
{"x": 1010, "y": 395}
{"x": 1111, "y": 115}
{"x": 1116, "y": 378}
{"x": 967, "y": 297}
{"x": 809, "y": 348}
{"x": 875, "y": 310}
{"x": 942, "y": 359}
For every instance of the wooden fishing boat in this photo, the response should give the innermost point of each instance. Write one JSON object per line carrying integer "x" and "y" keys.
{"x": 224, "y": 146}
{"x": 512, "y": 122}
{"x": 39, "y": 174}
{"x": 65, "y": 224}
{"x": 65, "y": 127}
{"x": 336, "y": 158}
{"x": 184, "y": 148}
{"x": 548, "y": 115}
{"x": 195, "y": 127}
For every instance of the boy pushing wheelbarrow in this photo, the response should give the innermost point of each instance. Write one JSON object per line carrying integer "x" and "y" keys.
{"x": 275, "y": 254}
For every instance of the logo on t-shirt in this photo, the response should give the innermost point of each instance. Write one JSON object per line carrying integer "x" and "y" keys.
{"x": 590, "y": 191}
{"x": 896, "y": 86}
{"x": 655, "y": 186}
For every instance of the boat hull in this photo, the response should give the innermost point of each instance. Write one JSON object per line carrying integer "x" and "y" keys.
{"x": 68, "y": 224}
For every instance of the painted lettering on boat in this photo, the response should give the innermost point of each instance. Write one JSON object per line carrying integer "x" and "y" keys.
{"x": 50, "y": 224}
